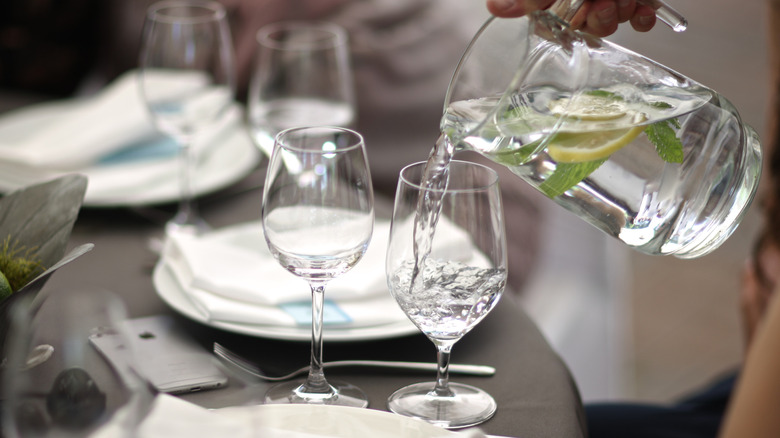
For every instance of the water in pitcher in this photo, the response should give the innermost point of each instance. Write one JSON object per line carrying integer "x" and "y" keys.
{"x": 625, "y": 159}
{"x": 646, "y": 155}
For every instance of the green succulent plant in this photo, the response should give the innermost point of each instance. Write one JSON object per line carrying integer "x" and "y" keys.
{"x": 18, "y": 265}
{"x": 5, "y": 287}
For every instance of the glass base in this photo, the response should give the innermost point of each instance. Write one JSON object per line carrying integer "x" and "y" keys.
{"x": 184, "y": 225}
{"x": 342, "y": 394}
{"x": 467, "y": 406}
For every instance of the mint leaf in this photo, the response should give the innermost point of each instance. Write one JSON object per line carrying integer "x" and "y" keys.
{"x": 515, "y": 157}
{"x": 660, "y": 105}
{"x": 664, "y": 138}
{"x": 603, "y": 93}
{"x": 568, "y": 175}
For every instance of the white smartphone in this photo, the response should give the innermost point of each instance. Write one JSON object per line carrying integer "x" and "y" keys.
{"x": 165, "y": 355}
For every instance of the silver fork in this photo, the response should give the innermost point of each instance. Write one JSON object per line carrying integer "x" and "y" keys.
{"x": 250, "y": 368}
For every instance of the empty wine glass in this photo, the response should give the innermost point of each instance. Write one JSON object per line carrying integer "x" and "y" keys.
{"x": 301, "y": 77}
{"x": 56, "y": 384}
{"x": 446, "y": 268}
{"x": 318, "y": 217}
{"x": 187, "y": 80}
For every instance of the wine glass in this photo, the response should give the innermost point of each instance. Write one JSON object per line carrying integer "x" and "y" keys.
{"x": 446, "y": 268}
{"x": 318, "y": 217}
{"x": 301, "y": 77}
{"x": 55, "y": 383}
{"x": 187, "y": 80}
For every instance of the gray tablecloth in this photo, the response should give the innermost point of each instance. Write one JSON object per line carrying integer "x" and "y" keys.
{"x": 536, "y": 394}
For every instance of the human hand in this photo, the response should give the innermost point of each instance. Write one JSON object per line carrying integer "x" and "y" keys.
{"x": 596, "y": 17}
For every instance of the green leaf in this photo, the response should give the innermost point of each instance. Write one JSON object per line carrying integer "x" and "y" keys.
{"x": 568, "y": 175}
{"x": 604, "y": 93}
{"x": 5, "y": 287}
{"x": 39, "y": 216}
{"x": 660, "y": 105}
{"x": 515, "y": 157}
{"x": 18, "y": 264}
{"x": 664, "y": 138}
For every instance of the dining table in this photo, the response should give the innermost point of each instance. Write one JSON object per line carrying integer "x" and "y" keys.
{"x": 535, "y": 391}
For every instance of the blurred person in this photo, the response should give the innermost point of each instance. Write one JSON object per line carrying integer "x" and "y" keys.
{"x": 752, "y": 411}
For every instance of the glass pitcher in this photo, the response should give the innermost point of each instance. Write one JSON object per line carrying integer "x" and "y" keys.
{"x": 641, "y": 152}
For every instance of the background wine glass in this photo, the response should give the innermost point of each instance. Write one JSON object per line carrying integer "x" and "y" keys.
{"x": 458, "y": 278}
{"x": 301, "y": 77}
{"x": 318, "y": 217}
{"x": 187, "y": 80}
{"x": 55, "y": 384}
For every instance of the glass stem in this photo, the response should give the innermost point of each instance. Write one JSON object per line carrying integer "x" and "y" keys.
{"x": 442, "y": 388}
{"x": 315, "y": 382}
{"x": 187, "y": 214}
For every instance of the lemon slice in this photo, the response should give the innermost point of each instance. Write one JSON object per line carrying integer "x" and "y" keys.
{"x": 578, "y": 147}
{"x": 589, "y": 107}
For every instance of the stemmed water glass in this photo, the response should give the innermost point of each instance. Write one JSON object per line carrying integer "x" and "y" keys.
{"x": 187, "y": 81}
{"x": 318, "y": 217}
{"x": 301, "y": 77}
{"x": 446, "y": 268}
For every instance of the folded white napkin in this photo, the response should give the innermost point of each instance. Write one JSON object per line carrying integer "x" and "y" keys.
{"x": 126, "y": 177}
{"x": 235, "y": 263}
{"x": 173, "y": 417}
{"x": 87, "y": 129}
{"x": 152, "y": 177}
{"x": 230, "y": 275}
{"x": 93, "y": 135}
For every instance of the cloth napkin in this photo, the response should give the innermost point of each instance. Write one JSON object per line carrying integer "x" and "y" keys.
{"x": 87, "y": 129}
{"x": 230, "y": 275}
{"x": 173, "y": 417}
{"x": 149, "y": 171}
{"x": 94, "y": 134}
{"x": 235, "y": 263}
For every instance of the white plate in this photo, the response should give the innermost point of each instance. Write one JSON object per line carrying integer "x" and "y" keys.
{"x": 136, "y": 182}
{"x": 335, "y": 421}
{"x": 171, "y": 292}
